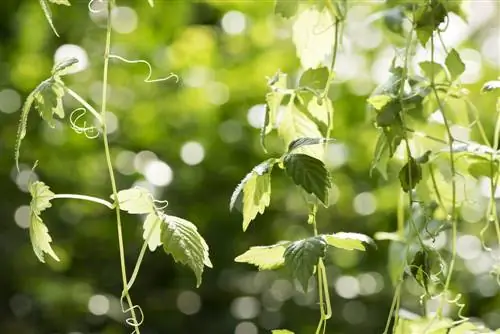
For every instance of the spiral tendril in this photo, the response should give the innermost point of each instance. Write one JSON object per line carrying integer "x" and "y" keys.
{"x": 131, "y": 321}
{"x": 75, "y": 117}
{"x": 91, "y": 8}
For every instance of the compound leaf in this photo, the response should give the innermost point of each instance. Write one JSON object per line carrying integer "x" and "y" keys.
{"x": 181, "y": 239}
{"x": 265, "y": 257}
{"x": 309, "y": 173}
{"x": 302, "y": 256}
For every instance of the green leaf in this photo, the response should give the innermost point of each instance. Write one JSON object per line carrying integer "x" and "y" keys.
{"x": 314, "y": 78}
{"x": 302, "y": 256}
{"x": 420, "y": 268}
{"x": 40, "y": 197}
{"x": 256, "y": 188}
{"x": 265, "y": 257}
{"x": 348, "y": 240}
{"x": 379, "y": 101}
{"x": 48, "y": 99}
{"x": 273, "y": 101}
{"x": 299, "y": 142}
{"x": 48, "y": 15}
{"x": 23, "y": 122}
{"x": 481, "y": 166}
{"x": 428, "y": 18}
{"x": 410, "y": 175}
{"x": 152, "y": 231}
{"x": 135, "y": 200}
{"x": 62, "y": 67}
{"x": 388, "y": 115}
{"x": 309, "y": 173}
{"x": 454, "y": 64}
{"x": 281, "y": 331}
{"x": 394, "y": 18}
{"x": 490, "y": 86}
{"x": 286, "y": 8}
{"x": 381, "y": 156}
{"x": 61, "y": 2}
{"x": 181, "y": 239}
{"x": 431, "y": 70}
{"x": 40, "y": 238}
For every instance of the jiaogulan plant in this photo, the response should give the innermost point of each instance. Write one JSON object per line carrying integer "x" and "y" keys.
{"x": 433, "y": 182}
{"x": 418, "y": 114}
{"x": 177, "y": 236}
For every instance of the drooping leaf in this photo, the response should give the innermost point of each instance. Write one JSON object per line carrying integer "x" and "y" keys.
{"x": 433, "y": 70}
{"x": 62, "y": 67}
{"x": 381, "y": 156}
{"x": 39, "y": 233}
{"x": 410, "y": 175}
{"x": 152, "y": 231}
{"x": 135, "y": 200}
{"x": 281, "y": 331}
{"x": 308, "y": 173}
{"x": 302, "y": 256}
{"x": 427, "y": 19}
{"x": 297, "y": 143}
{"x": 256, "y": 189}
{"x": 286, "y": 8}
{"x": 40, "y": 238}
{"x": 348, "y": 240}
{"x": 316, "y": 78}
{"x": 265, "y": 257}
{"x": 181, "y": 239}
{"x": 48, "y": 15}
{"x": 23, "y": 122}
{"x": 41, "y": 195}
{"x": 420, "y": 268}
{"x": 454, "y": 64}
{"x": 379, "y": 101}
{"x": 273, "y": 102}
{"x": 490, "y": 86}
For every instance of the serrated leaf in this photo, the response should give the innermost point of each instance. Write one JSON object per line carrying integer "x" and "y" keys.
{"x": 410, "y": 175}
{"x": 61, "y": 2}
{"x": 181, "y": 239}
{"x": 135, "y": 200}
{"x": 40, "y": 197}
{"x": 314, "y": 78}
{"x": 48, "y": 99}
{"x": 152, "y": 231}
{"x": 281, "y": 331}
{"x": 48, "y": 15}
{"x": 40, "y": 238}
{"x": 379, "y": 101}
{"x": 286, "y": 8}
{"x": 265, "y": 257}
{"x": 299, "y": 142}
{"x": 302, "y": 256}
{"x": 308, "y": 173}
{"x": 348, "y": 240}
{"x": 432, "y": 69}
{"x": 490, "y": 86}
{"x": 63, "y": 66}
{"x": 23, "y": 122}
{"x": 454, "y": 64}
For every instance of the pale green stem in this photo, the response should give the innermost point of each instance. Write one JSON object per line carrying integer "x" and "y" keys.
{"x": 135, "y": 323}
{"x": 84, "y": 104}
{"x": 86, "y": 198}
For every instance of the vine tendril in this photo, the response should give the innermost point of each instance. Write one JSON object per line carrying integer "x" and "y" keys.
{"x": 150, "y": 73}
{"x": 77, "y": 115}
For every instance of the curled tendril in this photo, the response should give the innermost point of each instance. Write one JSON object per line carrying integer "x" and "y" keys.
{"x": 162, "y": 204}
{"x": 150, "y": 74}
{"x": 89, "y": 131}
{"x": 131, "y": 321}
{"x": 91, "y": 8}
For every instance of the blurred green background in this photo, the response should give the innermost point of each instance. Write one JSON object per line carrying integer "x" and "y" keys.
{"x": 205, "y": 138}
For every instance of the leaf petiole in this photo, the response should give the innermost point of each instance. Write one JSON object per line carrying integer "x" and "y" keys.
{"x": 85, "y": 104}
{"x": 86, "y": 198}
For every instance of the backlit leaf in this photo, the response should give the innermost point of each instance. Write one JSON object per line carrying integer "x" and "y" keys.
{"x": 181, "y": 239}
{"x": 40, "y": 238}
{"x": 302, "y": 256}
{"x": 152, "y": 231}
{"x": 265, "y": 257}
{"x": 40, "y": 197}
{"x": 308, "y": 173}
{"x": 273, "y": 102}
{"x": 454, "y": 64}
{"x": 315, "y": 78}
{"x": 433, "y": 70}
{"x": 379, "y": 101}
{"x": 348, "y": 240}
{"x": 135, "y": 200}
